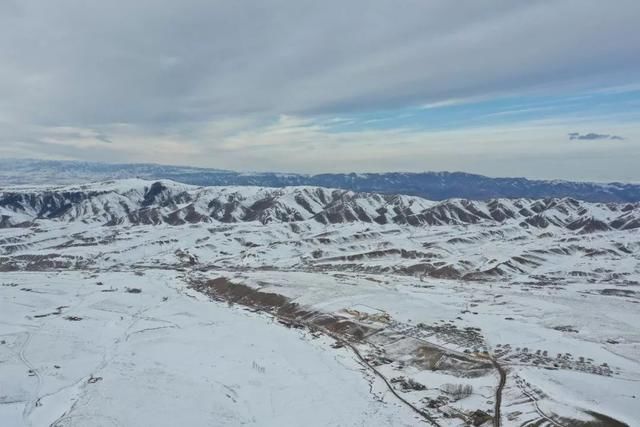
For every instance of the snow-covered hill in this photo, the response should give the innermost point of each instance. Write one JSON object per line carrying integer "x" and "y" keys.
{"x": 145, "y": 202}
{"x": 322, "y": 228}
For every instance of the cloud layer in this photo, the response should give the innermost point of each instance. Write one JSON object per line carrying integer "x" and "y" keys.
{"x": 166, "y": 79}
{"x": 121, "y": 61}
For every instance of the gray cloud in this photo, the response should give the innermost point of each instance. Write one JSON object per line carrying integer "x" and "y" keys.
{"x": 86, "y": 63}
{"x": 593, "y": 136}
{"x": 104, "y": 138}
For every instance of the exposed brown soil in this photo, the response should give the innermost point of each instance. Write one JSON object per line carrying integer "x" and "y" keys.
{"x": 350, "y": 331}
{"x": 289, "y": 313}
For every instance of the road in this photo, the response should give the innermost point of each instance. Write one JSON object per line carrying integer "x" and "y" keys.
{"x": 498, "y": 400}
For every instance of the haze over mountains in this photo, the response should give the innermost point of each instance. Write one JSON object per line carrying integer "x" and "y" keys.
{"x": 429, "y": 185}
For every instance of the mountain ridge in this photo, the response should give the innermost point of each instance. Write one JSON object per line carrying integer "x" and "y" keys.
{"x": 429, "y": 185}
{"x": 140, "y": 202}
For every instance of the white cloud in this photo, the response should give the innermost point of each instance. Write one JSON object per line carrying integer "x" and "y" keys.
{"x": 294, "y": 144}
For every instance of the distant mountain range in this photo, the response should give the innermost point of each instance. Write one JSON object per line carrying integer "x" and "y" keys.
{"x": 428, "y": 185}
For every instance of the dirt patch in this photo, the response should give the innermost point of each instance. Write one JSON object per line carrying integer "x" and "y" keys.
{"x": 221, "y": 289}
{"x": 57, "y": 312}
{"x": 618, "y": 292}
{"x": 45, "y": 262}
{"x": 289, "y": 313}
{"x": 427, "y": 357}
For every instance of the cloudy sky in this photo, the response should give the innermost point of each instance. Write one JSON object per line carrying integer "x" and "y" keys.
{"x": 543, "y": 89}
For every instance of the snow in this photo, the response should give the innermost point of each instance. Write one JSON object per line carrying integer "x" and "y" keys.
{"x": 180, "y": 361}
{"x": 138, "y": 359}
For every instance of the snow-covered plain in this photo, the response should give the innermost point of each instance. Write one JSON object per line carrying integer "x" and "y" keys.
{"x": 103, "y": 324}
{"x": 166, "y": 356}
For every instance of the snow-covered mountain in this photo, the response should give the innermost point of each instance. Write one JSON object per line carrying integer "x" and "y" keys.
{"x": 430, "y": 185}
{"x": 145, "y": 202}
{"x": 456, "y": 312}
{"x": 321, "y": 228}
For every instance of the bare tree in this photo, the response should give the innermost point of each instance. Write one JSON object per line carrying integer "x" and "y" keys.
{"x": 457, "y": 391}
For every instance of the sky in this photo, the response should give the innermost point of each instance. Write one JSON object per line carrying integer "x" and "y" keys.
{"x": 539, "y": 88}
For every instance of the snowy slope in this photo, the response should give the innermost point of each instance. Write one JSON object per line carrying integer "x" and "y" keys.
{"x": 162, "y": 303}
{"x": 165, "y": 357}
